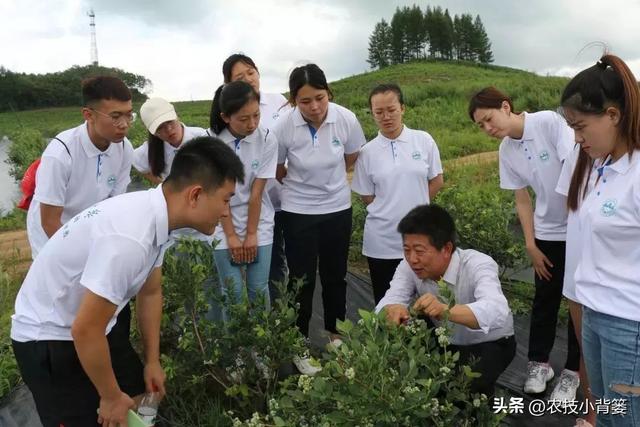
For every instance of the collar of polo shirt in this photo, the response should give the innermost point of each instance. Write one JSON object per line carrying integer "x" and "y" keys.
{"x": 332, "y": 115}
{"x": 401, "y": 138}
{"x": 89, "y": 148}
{"x": 226, "y": 136}
{"x": 161, "y": 214}
{"x": 623, "y": 164}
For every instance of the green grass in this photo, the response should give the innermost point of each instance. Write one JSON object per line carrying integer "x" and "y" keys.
{"x": 436, "y": 95}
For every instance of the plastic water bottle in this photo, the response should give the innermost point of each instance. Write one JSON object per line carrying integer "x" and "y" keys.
{"x": 148, "y": 408}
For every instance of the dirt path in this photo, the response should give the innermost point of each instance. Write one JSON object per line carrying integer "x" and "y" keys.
{"x": 15, "y": 253}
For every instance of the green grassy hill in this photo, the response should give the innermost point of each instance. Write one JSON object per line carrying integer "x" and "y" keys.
{"x": 436, "y": 94}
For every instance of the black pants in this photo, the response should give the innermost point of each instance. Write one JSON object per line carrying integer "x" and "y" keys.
{"x": 544, "y": 312}
{"x": 63, "y": 393}
{"x": 381, "y": 272}
{"x": 278, "y": 269}
{"x": 490, "y": 359}
{"x": 319, "y": 242}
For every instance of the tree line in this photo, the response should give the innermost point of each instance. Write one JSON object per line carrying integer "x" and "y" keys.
{"x": 412, "y": 35}
{"x": 21, "y": 91}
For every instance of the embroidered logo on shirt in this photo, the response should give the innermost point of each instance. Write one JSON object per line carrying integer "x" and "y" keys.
{"x": 608, "y": 207}
{"x": 544, "y": 156}
{"x": 255, "y": 164}
{"x": 336, "y": 142}
{"x": 416, "y": 155}
{"x": 111, "y": 181}
{"x": 275, "y": 116}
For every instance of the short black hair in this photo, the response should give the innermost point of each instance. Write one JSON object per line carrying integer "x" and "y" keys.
{"x": 207, "y": 161}
{"x": 387, "y": 87}
{"x": 96, "y": 89}
{"x": 232, "y": 60}
{"x": 431, "y": 221}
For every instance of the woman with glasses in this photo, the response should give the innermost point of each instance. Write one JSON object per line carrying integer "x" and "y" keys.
{"x": 166, "y": 134}
{"x": 396, "y": 171}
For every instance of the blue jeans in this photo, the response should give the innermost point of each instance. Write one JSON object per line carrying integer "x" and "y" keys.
{"x": 257, "y": 274}
{"x": 611, "y": 349}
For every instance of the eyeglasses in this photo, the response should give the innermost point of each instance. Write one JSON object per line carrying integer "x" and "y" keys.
{"x": 118, "y": 119}
{"x": 389, "y": 113}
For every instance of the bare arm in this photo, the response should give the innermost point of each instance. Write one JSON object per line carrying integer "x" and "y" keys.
{"x": 88, "y": 332}
{"x": 524, "y": 208}
{"x": 350, "y": 160}
{"x": 367, "y": 200}
{"x": 255, "y": 206}
{"x": 50, "y": 218}
{"x": 151, "y": 177}
{"x": 281, "y": 172}
{"x": 435, "y": 184}
{"x": 149, "y": 312}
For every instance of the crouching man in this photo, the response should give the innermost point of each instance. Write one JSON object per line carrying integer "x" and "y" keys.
{"x": 482, "y": 321}
{"x": 65, "y": 310}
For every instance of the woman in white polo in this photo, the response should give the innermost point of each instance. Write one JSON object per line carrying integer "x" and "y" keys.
{"x": 602, "y": 105}
{"x": 272, "y": 105}
{"x": 319, "y": 141}
{"x": 166, "y": 134}
{"x": 395, "y": 172}
{"x": 246, "y": 236}
{"x": 531, "y": 154}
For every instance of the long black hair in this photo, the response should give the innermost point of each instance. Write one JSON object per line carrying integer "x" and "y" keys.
{"x": 229, "y": 99}
{"x": 608, "y": 83}
{"x": 155, "y": 154}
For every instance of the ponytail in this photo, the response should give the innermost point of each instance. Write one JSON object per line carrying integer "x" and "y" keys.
{"x": 155, "y": 154}
{"x": 608, "y": 83}
{"x": 229, "y": 99}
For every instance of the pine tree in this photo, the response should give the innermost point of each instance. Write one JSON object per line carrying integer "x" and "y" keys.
{"x": 482, "y": 45}
{"x": 399, "y": 51}
{"x": 447, "y": 36}
{"x": 380, "y": 45}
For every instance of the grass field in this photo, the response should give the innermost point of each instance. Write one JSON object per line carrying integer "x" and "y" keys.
{"x": 436, "y": 95}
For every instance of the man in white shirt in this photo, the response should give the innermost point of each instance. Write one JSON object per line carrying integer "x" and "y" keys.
{"x": 63, "y": 328}
{"x": 86, "y": 164}
{"x": 482, "y": 320}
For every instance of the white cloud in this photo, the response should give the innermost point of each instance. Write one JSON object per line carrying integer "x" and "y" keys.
{"x": 180, "y": 46}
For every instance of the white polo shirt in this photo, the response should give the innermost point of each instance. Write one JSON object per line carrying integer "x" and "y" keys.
{"x": 258, "y": 153}
{"x": 536, "y": 161}
{"x": 316, "y": 181}
{"x": 397, "y": 173}
{"x": 473, "y": 278}
{"x": 109, "y": 249}
{"x": 141, "y": 154}
{"x": 272, "y": 106}
{"x": 608, "y": 273}
{"x": 76, "y": 181}
{"x": 574, "y": 234}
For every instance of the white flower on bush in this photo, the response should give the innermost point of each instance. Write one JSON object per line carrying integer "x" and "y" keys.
{"x": 393, "y": 373}
{"x": 410, "y": 390}
{"x": 443, "y": 337}
{"x": 350, "y": 374}
{"x": 476, "y": 403}
{"x": 304, "y": 383}
{"x": 444, "y": 370}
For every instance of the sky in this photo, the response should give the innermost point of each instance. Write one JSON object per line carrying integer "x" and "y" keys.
{"x": 180, "y": 45}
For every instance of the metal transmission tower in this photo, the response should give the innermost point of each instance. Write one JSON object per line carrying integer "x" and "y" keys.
{"x": 94, "y": 43}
